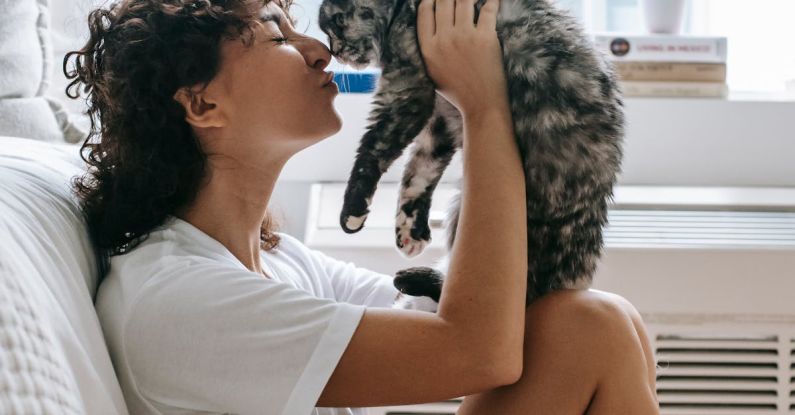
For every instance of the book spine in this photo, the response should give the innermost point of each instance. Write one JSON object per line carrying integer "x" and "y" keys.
{"x": 356, "y": 82}
{"x": 671, "y": 71}
{"x": 663, "y": 48}
{"x": 674, "y": 89}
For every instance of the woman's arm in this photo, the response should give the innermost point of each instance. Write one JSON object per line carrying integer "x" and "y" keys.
{"x": 475, "y": 341}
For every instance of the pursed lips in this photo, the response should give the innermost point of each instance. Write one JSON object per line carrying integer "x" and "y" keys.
{"x": 329, "y": 78}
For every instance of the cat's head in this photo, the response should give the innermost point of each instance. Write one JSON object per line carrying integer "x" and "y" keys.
{"x": 354, "y": 29}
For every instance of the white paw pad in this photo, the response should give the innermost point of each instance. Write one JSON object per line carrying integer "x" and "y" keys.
{"x": 410, "y": 302}
{"x": 410, "y": 246}
{"x": 355, "y": 222}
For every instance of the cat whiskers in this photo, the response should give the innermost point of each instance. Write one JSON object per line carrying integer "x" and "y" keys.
{"x": 346, "y": 84}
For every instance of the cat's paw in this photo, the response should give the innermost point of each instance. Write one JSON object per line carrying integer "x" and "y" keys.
{"x": 354, "y": 213}
{"x": 352, "y": 224}
{"x": 409, "y": 302}
{"x": 420, "y": 282}
{"x": 411, "y": 237}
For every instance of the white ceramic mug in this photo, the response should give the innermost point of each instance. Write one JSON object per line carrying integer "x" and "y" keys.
{"x": 663, "y": 16}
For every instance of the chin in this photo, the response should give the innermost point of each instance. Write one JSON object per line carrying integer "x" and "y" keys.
{"x": 329, "y": 125}
{"x": 335, "y": 124}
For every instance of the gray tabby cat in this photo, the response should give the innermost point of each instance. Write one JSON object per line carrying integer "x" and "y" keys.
{"x": 568, "y": 120}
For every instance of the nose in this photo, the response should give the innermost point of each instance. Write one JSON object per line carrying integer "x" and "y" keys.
{"x": 316, "y": 54}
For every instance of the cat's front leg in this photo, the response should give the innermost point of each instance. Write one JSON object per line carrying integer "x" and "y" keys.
{"x": 397, "y": 118}
{"x": 430, "y": 156}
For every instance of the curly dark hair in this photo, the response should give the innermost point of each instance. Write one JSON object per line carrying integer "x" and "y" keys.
{"x": 144, "y": 161}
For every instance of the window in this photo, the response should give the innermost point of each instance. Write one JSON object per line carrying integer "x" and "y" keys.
{"x": 760, "y": 32}
{"x": 761, "y": 56}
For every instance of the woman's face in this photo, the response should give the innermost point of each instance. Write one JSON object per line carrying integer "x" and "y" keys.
{"x": 271, "y": 93}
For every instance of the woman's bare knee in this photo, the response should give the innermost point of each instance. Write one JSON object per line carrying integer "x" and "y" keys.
{"x": 643, "y": 336}
{"x": 574, "y": 341}
{"x": 627, "y": 384}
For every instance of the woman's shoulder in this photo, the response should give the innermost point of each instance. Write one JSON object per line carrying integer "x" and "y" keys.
{"x": 292, "y": 247}
{"x": 173, "y": 254}
{"x": 159, "y": 252}
{"x": 290, "y": 241}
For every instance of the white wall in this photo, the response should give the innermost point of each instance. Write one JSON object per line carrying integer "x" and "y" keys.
{"x": 743, "y": 141}
{"x": 289, "y": 205}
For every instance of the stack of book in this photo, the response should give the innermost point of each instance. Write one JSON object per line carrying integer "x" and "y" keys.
{"x": 667, "y": 65}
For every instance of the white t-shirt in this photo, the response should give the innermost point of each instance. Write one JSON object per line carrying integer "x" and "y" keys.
{"x": 191, "y": 330}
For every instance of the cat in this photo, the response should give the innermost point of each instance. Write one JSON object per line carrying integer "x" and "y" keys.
{"x": 568, "y": 116}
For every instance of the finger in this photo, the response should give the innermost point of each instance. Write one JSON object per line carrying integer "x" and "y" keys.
{"x": 426, "y": 25}
{"x": 465, "y": 13}
{"x": 488, "y": 15}
{"x": 444, "y": 15}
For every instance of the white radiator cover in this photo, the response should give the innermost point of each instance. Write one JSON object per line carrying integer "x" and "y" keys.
{"x": 712, "y": 270}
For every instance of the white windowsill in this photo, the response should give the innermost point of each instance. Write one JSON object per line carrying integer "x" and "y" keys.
{"x": 325, "y": 201}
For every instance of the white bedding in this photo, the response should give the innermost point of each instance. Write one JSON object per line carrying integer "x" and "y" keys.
{"x": 53, "y": 359}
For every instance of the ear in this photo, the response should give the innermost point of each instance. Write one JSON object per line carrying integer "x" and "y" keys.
{"x": 201, "y": 110}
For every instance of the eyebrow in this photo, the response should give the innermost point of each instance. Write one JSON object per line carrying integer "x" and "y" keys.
{"x": 269, "y": 17}
{"x": 276, "y": 18}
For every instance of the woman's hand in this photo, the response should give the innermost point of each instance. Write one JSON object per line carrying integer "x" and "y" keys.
{"x": 464, "y": 59}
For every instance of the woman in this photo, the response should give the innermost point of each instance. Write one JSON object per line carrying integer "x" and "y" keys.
{"x": 196, "y": 106}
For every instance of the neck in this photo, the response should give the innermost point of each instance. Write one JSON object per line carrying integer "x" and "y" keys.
{"x": 232, "y": 205}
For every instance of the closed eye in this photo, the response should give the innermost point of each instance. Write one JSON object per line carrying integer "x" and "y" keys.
{"x": 366, "y": 14}
{"x": 339, "y": 20}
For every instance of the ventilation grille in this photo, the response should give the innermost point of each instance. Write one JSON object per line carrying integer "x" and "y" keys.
{"x": 704, "y": 374}
{"x": 713, "y": 374}
{"x": 792, "y": 376}
{"x": 703, "y": 218}
{"x": 632, "y": 228}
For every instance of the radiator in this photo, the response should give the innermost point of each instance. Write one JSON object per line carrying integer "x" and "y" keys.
{"x": 712, "y": 271}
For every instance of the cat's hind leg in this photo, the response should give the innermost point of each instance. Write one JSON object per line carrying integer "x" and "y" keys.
{"x": 430, "y": 156}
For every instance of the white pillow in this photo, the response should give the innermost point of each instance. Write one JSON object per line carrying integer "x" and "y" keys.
{"x": 25, "y": 71}
{"x": 46, "y": 250}
{"x": 24, "y": 48}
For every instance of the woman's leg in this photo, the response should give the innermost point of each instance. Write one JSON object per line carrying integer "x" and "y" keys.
{"x": 586, "y": 352}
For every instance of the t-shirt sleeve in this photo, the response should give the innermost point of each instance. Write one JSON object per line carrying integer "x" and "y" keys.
{"x": 226, "y": 340}
{"x": 354, "y": 284}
